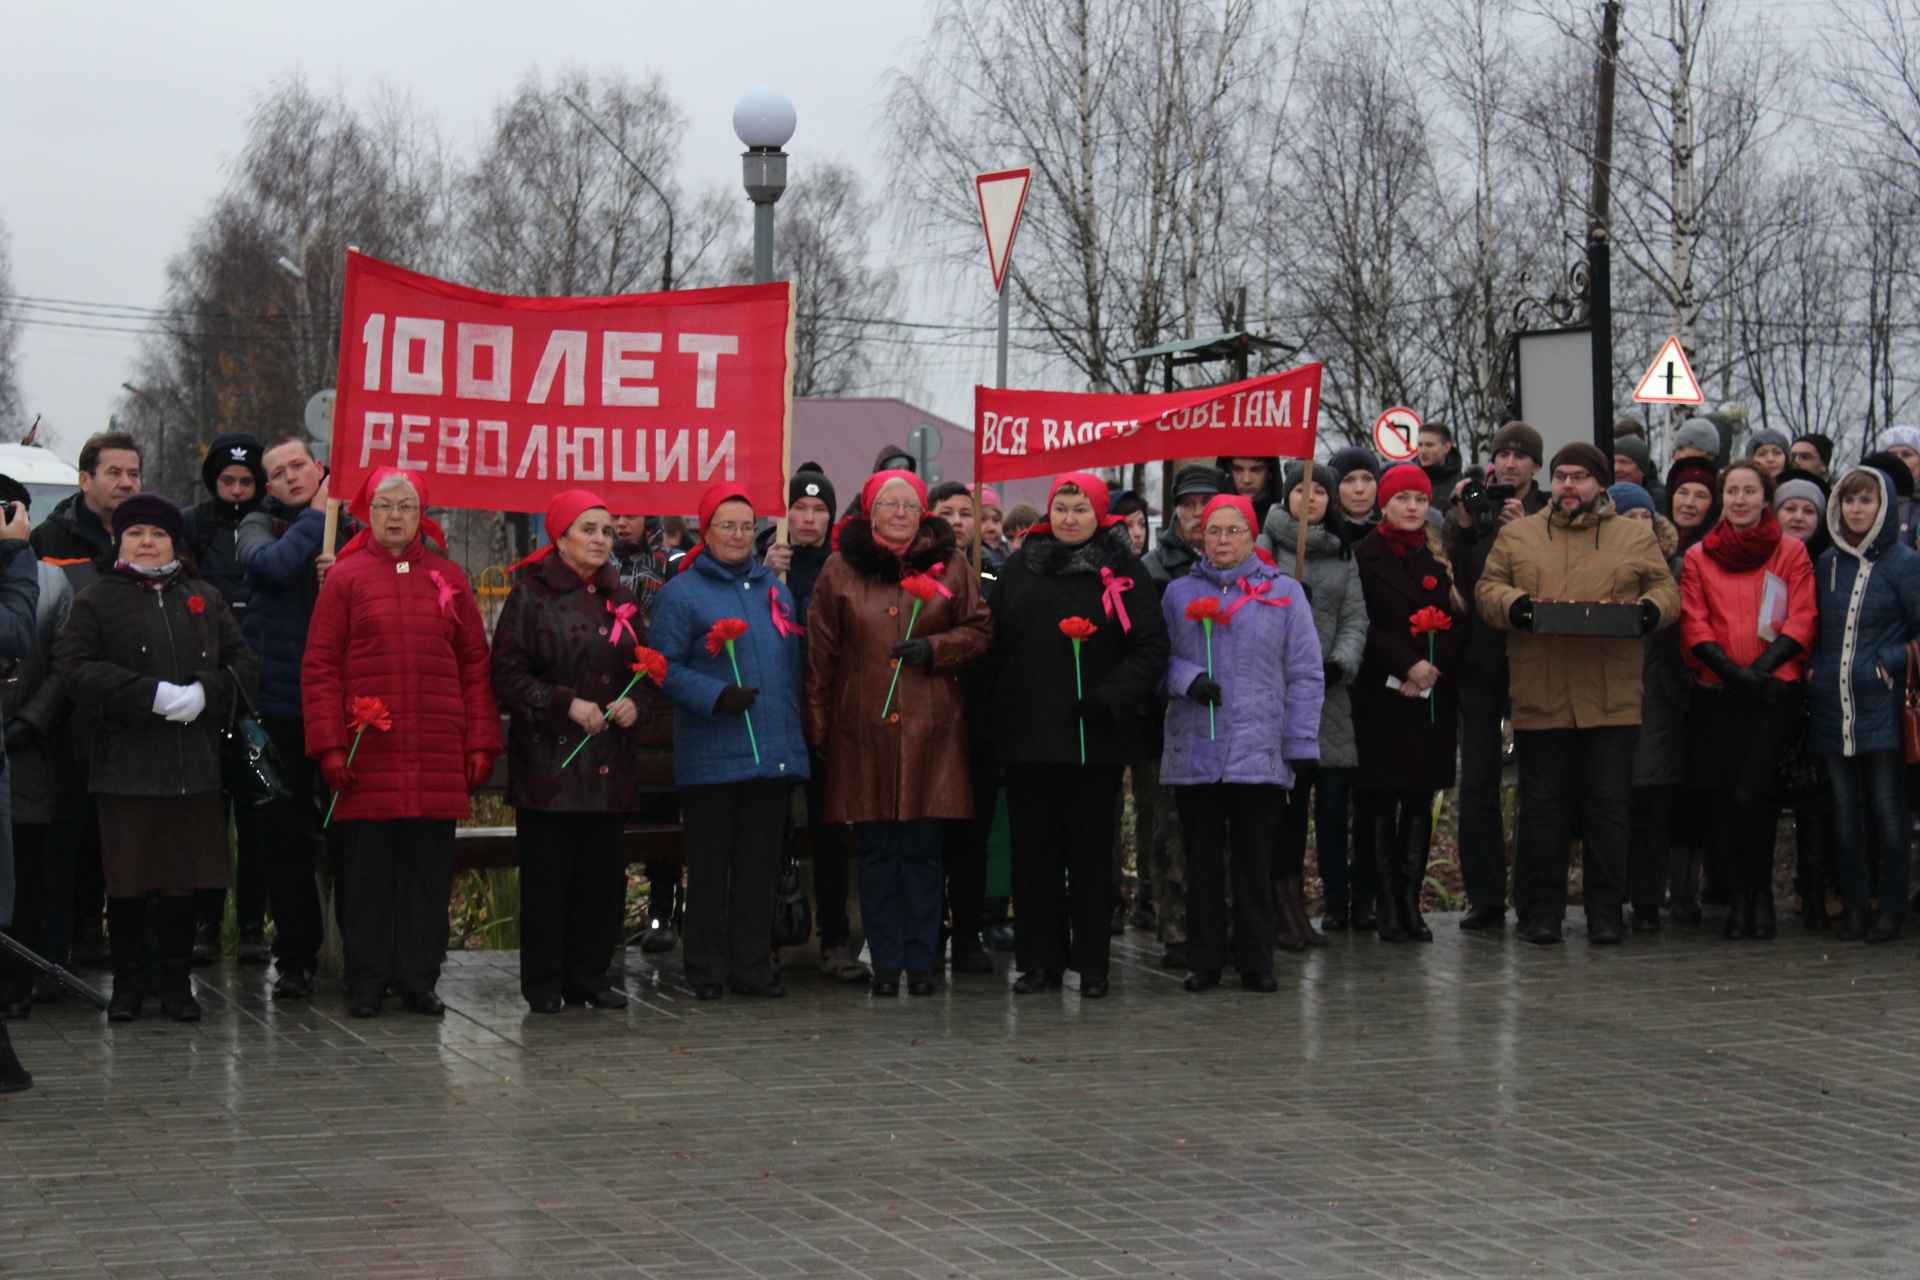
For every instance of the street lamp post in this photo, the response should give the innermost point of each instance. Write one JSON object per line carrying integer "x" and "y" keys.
{"x": 666, "y": 270}
{"x": 764, "y": 121}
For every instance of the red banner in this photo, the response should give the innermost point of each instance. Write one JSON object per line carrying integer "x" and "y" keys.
{"x": 645, "y": 399}
{"x": 1041, "y": 433}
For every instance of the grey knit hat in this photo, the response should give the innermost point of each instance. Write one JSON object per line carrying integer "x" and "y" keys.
{"x": 1322, "y": 476}
{"x": 1698, "y": 433}
{"x": 1761, "y": 437}
{"x": 1800, "y": 487}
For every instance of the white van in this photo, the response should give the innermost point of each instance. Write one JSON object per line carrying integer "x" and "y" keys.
{"x": 45, "y": 475}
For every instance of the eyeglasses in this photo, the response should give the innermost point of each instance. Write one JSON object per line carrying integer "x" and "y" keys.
{"x": 1228, "y": 531}
{"x": 732, "y": 529}
{"x": 893, "y": 507}
{"x": 384, "y": 508}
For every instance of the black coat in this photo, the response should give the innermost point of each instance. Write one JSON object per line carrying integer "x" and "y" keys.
{"x": 1030, "y": 670}
{"x": 72, "y": 537}
{"x": 1405, "y": 744}
{"x": 1467, "y": 550}
{"x": 123, "y": 638}
{"x": 554, "y": 643}
{"x": 213, "y": 532}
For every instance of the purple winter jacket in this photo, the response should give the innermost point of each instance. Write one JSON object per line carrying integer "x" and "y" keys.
{"x": 1267, "y": 662}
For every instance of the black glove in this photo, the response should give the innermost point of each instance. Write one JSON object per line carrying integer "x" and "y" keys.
{"x": 1782, "y": 649}
{"x": 1205, "y": 689}
{"x": 917, "y": 652}
{"x": 734, "y": 700}
{"x": 1335, "y": 673}
{"x": 1733, "y": 677}
{"x": 20, "y": 735}
{"x": 1649, "y": 617}
{"x": 1520, "y": 613}
{"x": 1093, "y": 710}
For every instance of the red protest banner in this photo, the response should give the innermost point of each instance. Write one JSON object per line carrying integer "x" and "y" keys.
{"x": 1017, "y": 434}
{"x": 646, "y": 399}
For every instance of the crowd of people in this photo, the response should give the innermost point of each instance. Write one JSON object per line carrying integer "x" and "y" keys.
{"x": 1680, "y": 659}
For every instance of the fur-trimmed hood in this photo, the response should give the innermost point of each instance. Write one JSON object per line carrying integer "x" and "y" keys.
{"x": 1048, "y": 556}
{"x": 933, "y": 543}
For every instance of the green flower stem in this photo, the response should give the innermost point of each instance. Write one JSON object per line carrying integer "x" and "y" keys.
{"x": 1078, "y": 693}
{"x": 751, "y": 740}
{"x": 911, "y": 619}
{"x": 589, "y": 738}
{"x": 351, "y": 753}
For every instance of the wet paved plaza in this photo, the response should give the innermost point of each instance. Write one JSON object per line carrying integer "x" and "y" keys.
{"x": 1478, "y": 1107}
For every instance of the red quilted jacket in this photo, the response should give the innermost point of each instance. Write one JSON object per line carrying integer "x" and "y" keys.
{"x": 405, "y": 631}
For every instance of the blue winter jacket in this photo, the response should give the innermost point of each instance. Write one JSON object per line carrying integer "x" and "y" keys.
{"x": 1869, "y": 599}
{"x": 710, "y": 746}
{"x": 1268, "y": 665}
{"x": 277, "y": 546}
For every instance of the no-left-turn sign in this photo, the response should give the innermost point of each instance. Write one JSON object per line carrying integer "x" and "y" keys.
{"x": 1396, "y": 434}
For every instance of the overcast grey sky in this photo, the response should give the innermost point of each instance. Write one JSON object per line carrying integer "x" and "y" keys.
{"x": 117, "y": 120}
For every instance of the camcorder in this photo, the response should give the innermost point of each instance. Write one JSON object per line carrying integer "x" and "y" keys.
{"x": 1484, "y": 499}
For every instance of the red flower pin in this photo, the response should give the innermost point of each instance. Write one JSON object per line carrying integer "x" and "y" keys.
{"x": 1430, "y": 619}
{"x": 723, "y": 633}
{"x": 1077, "y": 628}
{"x": 196, "y": 605}
{"x": 1429, "y": 582}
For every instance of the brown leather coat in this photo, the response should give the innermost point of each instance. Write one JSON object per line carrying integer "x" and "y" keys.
{"x": 913, "y": 763}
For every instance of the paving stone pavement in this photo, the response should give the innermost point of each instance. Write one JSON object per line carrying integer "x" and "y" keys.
{"x": 1677, "y": 1106}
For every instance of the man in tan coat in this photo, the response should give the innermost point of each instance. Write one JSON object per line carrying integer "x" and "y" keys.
{"x": 1576, "y": 698}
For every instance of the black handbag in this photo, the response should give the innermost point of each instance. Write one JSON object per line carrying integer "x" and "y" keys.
{"x": 792, "y": 914}
{"x": 250, "y": 768}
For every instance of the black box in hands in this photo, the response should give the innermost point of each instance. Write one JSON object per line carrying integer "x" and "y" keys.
{"x": 1586, "y": 617}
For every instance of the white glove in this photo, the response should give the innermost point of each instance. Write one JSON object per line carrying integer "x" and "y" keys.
{"x": 187, "y": 709}
{"x": 165, "y": 696}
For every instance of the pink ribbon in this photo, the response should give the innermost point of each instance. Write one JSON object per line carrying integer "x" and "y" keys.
{"x": 623, "y": 621}
{"x": 783, "y": 618}
{"x": 1257, "y": 594}
{"x": 1112, "y": 596}
{"x": 447, "y": 590}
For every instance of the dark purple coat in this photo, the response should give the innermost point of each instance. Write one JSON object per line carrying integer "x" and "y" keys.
{"x": 1404, "y": 744}
{"x": 555, "y": 642}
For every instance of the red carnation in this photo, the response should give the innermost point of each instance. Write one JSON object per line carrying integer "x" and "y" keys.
{"x": 367, "y": 713}
{"x": 1207, "y": 609}
{"x": 1430, "y": 619}
{"x": 1429, "y": 582}
{"x": 650, "y": 663}
{"x": 723, "y": 633}
{"x": 1077, "y": 628}
{"x": 920, "y": 586}
{"x": 196, "y": 605}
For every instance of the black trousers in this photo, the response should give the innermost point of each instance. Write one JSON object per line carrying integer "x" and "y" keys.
{"x": 1483, "y": 843}
{"x": 395, "y": 881}
{"x": 1648, "y": 846}
{"x": 1569, "y": 776}
{"x": 1212, "y": 817}
{"x": 734, "y": 832}
{"x": 1060, "y": 820}
{"x": 286, "y": 830}
{"x": 573, "y": 900}
{"x": 29, "y": 879}
{"x": 831, "y": 849}
{"x": 963, "y": 850}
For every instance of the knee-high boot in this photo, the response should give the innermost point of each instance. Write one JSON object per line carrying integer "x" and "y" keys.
{"x": 13, "y": 1076}
{"x": 1384, "y": 812}
{"x": 1760, "y": 873}
{"x": 1416, "y": 838}
{"x": 176, "y": 958}
{"x": 1813, "y": 839}
{"x": 127, "y": 945}
{"x": 1683, "y": 885}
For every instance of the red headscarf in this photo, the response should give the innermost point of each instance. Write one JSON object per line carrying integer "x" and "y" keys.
{"x": 1241, "y": 504}
{"x": 361, "y": 508}
{"x": 566, "y": 506}
{"x": 720, "y": 491}
{"x": 881, "y": 479}
{"x": 1096, "y": 490}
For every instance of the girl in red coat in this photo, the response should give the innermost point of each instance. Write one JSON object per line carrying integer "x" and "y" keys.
{"x": 398, "y": 623}
{"x": 1746, "y": 621}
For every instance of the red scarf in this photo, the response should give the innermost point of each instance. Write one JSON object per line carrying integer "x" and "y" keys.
{"x": 1743, "y": 550}
{"x": 1402, "y": 541}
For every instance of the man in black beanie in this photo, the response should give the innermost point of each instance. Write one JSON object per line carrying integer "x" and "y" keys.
{"x": 1812, "y": 453}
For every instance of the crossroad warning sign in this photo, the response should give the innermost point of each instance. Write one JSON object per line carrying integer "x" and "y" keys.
{"x": 1670, "y": 380}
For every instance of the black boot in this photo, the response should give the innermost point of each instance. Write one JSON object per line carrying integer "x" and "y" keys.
{"x": 1760, "y": 887}
{"x": 1683, "y": 885}
{"x": 1386, "y": 870}
{"x": 13, "y": 1076}
{"x": 1853, "y": 925}
{"x": 127, "y": 944}
{"x": 1739, "y": 908}
{"x": 1886, "y": 926}
{"x": 176, "y": 931}
{"x": 1811, "y": 836}
{"x": 1415, "y": 841}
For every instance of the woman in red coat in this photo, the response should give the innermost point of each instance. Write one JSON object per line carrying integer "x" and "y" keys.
{"x": 397, "y": 623}
{"x": 1747, "y": 618}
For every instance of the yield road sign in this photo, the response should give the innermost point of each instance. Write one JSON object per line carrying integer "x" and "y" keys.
{"x": 1002, "y": 196}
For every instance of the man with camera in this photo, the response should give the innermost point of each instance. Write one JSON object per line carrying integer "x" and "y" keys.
{"x": 1483, "y": 505}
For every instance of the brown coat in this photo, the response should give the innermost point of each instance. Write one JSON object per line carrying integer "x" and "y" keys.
{"x": 912, "y": 764}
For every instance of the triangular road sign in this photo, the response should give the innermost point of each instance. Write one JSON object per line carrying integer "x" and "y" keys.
{"x": 1002, "y": 196}
{"x": 1670, "y": 380}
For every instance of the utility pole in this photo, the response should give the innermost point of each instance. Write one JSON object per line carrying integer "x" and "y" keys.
{"x": 1599, "y": 222}
{"x": 1686, "y": 214}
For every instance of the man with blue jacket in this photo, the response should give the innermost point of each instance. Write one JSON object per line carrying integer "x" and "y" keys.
{"x": 280, "y": 553}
